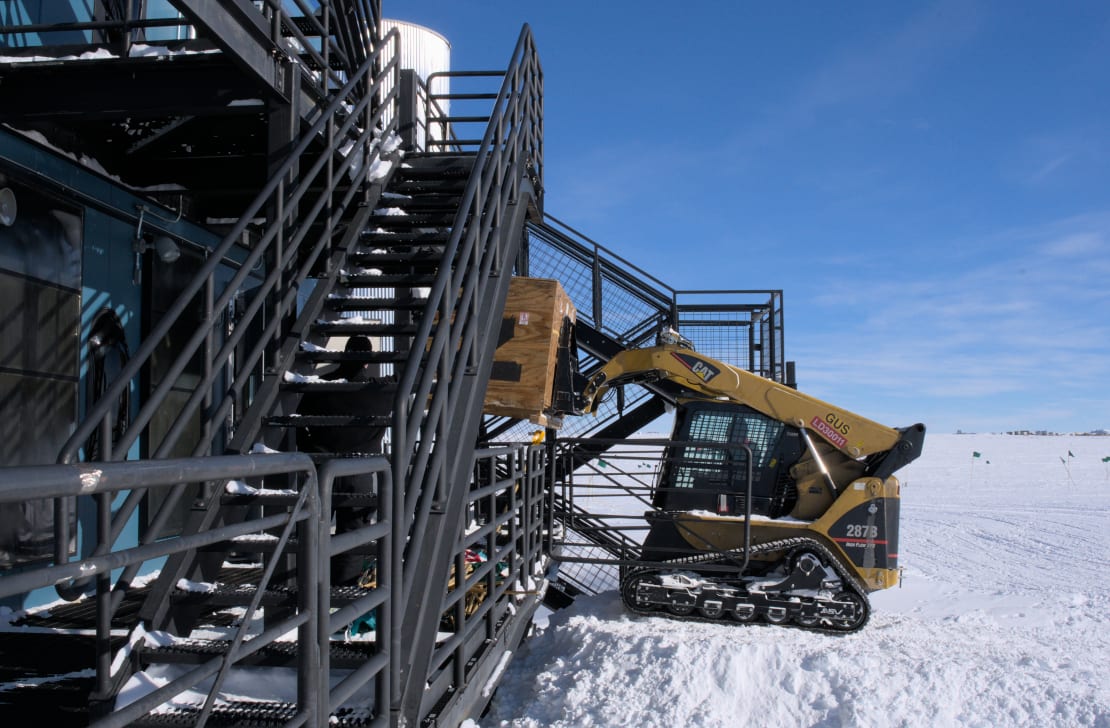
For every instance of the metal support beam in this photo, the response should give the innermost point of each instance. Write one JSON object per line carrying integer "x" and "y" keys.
{"x": 238, "y": 28}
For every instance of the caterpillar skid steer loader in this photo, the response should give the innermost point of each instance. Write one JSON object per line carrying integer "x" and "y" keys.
{"x": 768, "y": 504}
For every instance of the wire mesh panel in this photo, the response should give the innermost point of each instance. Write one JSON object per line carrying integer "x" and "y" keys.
{"x": 742, "y": 328}
{"x": 607, "y": 490}
{"x": 623, "y": 306}
{"x": 609, "y": 293}
{"x": 598, "y": 507}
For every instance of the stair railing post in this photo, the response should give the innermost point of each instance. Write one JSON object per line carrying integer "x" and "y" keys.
{"x": 596, "y": 300}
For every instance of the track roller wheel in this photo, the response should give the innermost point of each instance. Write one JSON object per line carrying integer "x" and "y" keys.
{"x": 712, "y": 610}
{"x": 743, "y": 613}
{"x": 777, "y": 615}
{"x": 805, "y": 560}
{"x": 680, "y": 610}
{"x": 631, "y": 597}
{"x": 806, "y": 620}
{"x": 860, "y": 611}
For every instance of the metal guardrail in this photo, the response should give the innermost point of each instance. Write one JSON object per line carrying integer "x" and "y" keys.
{"x": 308, "y": 520}
{"x": 610, "y": 293}
{"x": 102, "y": 480}
{"x": 619, "y": 305}
{"x": 605, "y": 487}
{"x": 450, "y": 124}
{"x": 328, "y": 43}
{"x": 383, "y": 599}
{"x": 500, "y": 554}
{"x": 625, "y": 303}
{"x": 437, "y": 409}
{"x": 349, "y": 116}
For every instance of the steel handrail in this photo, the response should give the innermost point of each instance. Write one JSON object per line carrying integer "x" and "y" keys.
{"x": 456, "y": 315}
{"x": 205, "y": 277}
{"x": 205, "y": 274}
{"x": 384, "y": 596}
{"x": 435, "y": 373}
{"x": 104, "y": 479}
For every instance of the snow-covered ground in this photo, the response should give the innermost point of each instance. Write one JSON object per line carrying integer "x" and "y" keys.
{"x": 1001, "y": 621}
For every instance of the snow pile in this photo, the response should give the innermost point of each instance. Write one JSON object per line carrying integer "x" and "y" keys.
{"x": 1002, "y": 620}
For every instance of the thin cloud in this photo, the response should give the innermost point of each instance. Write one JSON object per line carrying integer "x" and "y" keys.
{"x": 889, "y": 66}
{"x": 1027, "y": 333}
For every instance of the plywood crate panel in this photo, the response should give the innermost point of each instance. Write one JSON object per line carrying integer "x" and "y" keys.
{"x": 523, "y": 375}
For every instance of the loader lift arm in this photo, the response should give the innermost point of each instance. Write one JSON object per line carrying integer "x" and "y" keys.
{"x": 885, "y": 448}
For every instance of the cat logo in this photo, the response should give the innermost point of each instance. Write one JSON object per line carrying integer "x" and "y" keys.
{"x": 701, "y": 369}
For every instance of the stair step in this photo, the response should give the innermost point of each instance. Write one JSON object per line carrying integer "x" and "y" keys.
{"x": 381, "y": 387}
{"x": 425, "y": 201}
{"x": 322, "y": 457}
{"x": 389, "y": 280}
{"x": 400, "y": 262}
{"x": 57, "y": 703}
{"x": 275, "y": 498}
{"x": 408, "y": 221}
{"x": 330, "y": 421}
{"x": 230, "y": 595}
{"x": 256, "y": 714}
{"x": 436, "y": 168}
{"x": 353, "y": 327}
{"x": 48, "y": 676}
{"x": 383, "y": 238}
{"x": 399, "y": 252}
{"x": 364, "y": 357}
{"x": 344, "y": 655}
{"x": 376, "y": 304}
{"x": 430, "y": 186}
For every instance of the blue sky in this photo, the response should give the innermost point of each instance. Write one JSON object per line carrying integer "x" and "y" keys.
{"x": 929, "y": 183}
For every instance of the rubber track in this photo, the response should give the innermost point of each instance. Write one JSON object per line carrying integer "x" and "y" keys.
{"x": 850, "y": 581}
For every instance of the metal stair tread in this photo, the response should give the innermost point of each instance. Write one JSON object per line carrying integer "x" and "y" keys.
{"x": 401, "y": 252}
{"x": 277, "y": 654}
{"x": 222, "y": 594}
{"x": 326, "y": 355}
{"x": 372, "y": 280}
{"x": 328, "y": 386}
{"x": 409, "y": 237}
{"x": 347, "y": 327}
{"x": 376, "y": 304}
{"x": 330, "y": 420}
{"x": 253, "y": 713}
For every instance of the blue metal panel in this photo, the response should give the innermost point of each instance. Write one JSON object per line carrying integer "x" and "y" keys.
{"x": 17, "y": 12}
{"x": 109, "y": 215}
{"x": 162, "y": 9}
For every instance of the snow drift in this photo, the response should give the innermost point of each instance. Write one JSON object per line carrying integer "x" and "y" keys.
{"x": 1001, "y": 619}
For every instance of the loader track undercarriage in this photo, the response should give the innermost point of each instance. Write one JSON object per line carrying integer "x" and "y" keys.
{"x": 813, "y": 592}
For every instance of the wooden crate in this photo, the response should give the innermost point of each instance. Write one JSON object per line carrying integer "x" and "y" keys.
{"x": 523, "y": 378}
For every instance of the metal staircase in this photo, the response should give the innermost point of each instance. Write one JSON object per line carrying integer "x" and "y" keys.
{"x": 352, "y": 207}
{"x": 340, "y": 239}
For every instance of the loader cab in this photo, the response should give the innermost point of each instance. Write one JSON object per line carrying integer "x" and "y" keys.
{"x": 701, "y": 469}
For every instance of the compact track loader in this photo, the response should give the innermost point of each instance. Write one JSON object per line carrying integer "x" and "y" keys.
{"x": 769, "y": 504}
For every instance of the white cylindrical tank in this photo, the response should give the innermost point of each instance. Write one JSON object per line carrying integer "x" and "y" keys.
{"x": 426, "y": 52}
